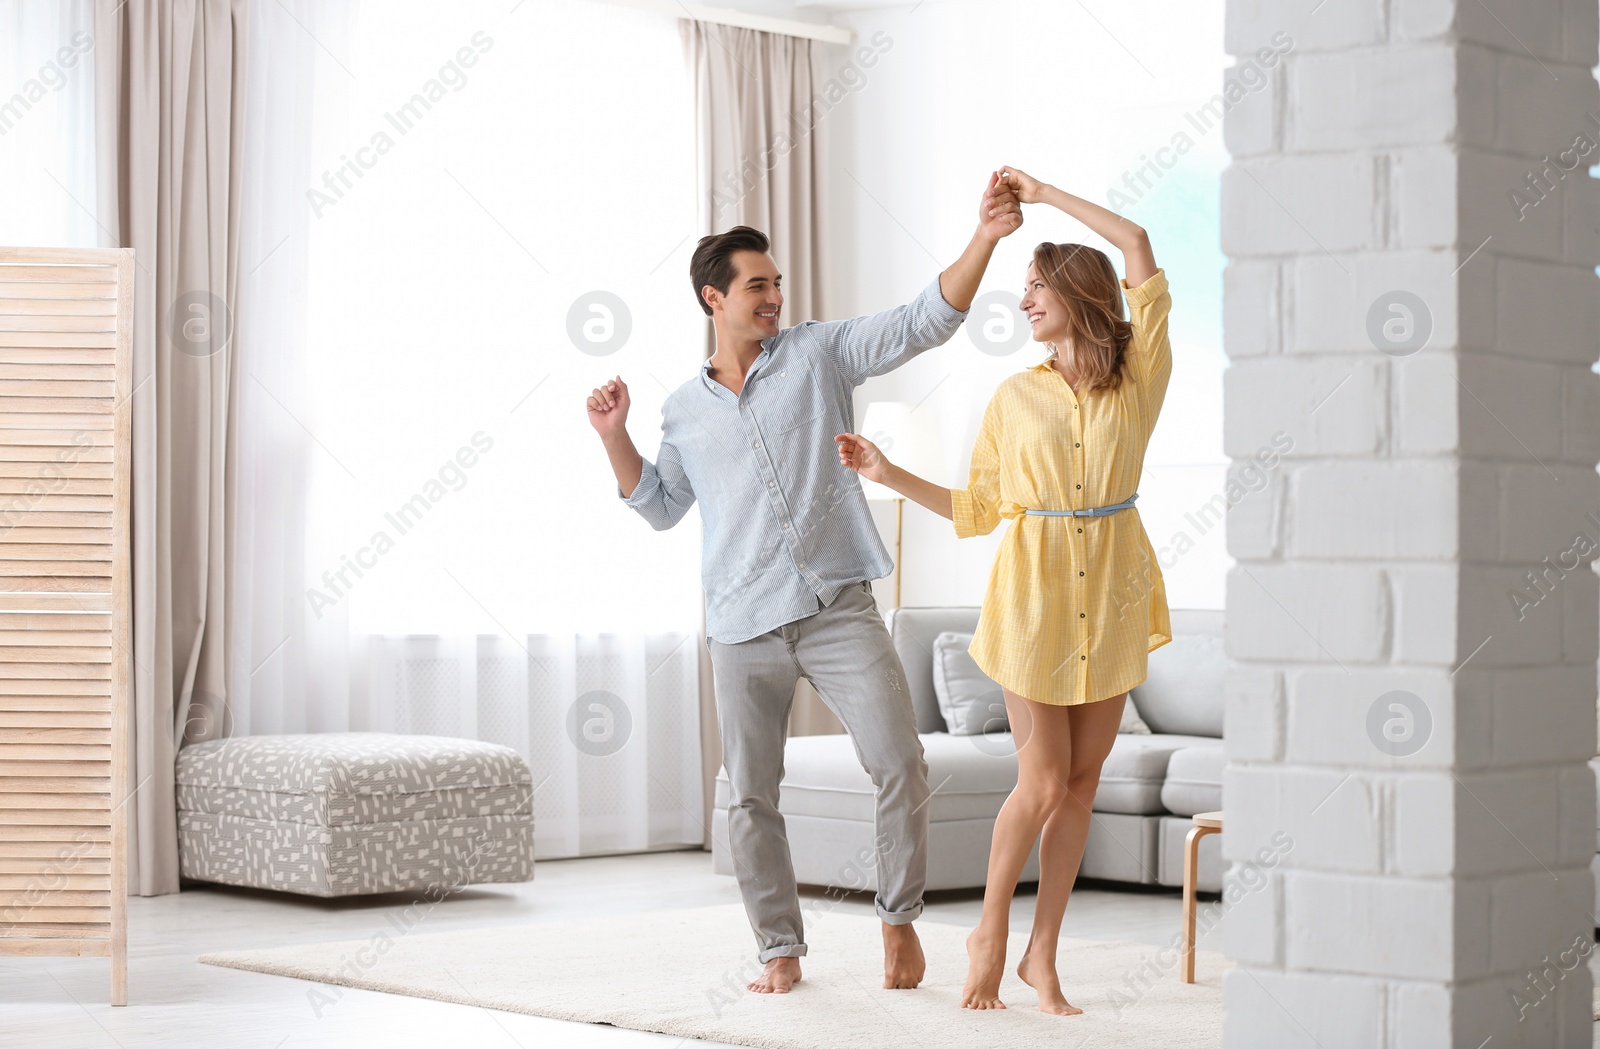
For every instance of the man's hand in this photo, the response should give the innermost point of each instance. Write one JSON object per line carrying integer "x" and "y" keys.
{"x": 1000, "y": 213}
{"x": 608, "y": 408}
{"x": 1023, "y": 186}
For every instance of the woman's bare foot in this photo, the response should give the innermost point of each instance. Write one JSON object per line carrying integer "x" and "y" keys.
{"x": 986, "y": 961}
{"x": 903, "y": 963}
{"x": 1041, "y": 976}
{"x": 779, "y": 975}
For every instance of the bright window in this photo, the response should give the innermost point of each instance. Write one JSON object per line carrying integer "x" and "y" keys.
{"x": 496, "y": 167}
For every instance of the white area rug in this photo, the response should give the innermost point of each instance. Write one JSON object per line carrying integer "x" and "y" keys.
{"x": 683, "y": 973}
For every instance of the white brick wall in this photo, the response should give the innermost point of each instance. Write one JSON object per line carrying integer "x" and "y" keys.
{"x": 1413, "y": 619}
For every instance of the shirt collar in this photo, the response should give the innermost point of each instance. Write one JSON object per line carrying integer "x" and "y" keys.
{"x": 766, "y": 351}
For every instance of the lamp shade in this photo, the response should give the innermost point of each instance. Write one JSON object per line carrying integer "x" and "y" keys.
{"x": 910, "y": 439}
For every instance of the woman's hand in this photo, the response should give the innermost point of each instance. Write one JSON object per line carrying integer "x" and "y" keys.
{"x": 862, "y": 456}
{"x": 1028, "y": 189}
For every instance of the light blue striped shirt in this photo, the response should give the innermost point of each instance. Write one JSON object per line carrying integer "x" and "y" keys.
{"x": 786, "y": 528}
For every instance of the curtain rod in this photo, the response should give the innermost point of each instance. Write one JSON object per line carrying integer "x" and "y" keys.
{"x": 728, "y": 16}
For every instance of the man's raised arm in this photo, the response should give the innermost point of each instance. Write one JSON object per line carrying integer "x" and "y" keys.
{"x": 1000, "y": 214}
{"x": 867, "y": 346}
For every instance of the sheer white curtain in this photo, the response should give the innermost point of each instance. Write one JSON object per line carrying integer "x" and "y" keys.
{"x": 47, "y": 146}
{"x": 460, "y": 218}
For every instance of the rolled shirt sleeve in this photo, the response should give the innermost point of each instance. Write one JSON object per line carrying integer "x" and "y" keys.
{"x": 1149, "y": 304}
{"x": 663, "y": 494}
{"x": 975, "y": 510}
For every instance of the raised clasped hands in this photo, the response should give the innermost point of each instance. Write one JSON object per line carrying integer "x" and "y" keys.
{"x": 1024, "y": 187}
{"x": 1000, "y": 213}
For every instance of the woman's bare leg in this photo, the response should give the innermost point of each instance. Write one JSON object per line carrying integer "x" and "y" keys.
{"x": 1094, "y": 729}
{"x": 1043, "y": 736}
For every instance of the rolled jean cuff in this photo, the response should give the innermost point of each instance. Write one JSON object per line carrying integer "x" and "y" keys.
{"x": 783, "y": 950}
{"x": 905, "y": 917}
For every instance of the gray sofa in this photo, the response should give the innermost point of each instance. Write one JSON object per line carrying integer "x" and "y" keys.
{"x": 1150, "y": 785}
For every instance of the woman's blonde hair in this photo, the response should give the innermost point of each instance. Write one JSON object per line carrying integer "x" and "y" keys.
{"x": 1083, "y": 278}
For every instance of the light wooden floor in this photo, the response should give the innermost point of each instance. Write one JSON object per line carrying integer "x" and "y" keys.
{"x": 177, "y": 1003}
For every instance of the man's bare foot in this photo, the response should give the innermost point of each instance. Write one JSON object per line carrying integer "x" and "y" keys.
{"x": 779, "y": 975}
{"x": 986, "y": 960}
{"x": 903, "y": 963}
{"x": 1041, "y": 976}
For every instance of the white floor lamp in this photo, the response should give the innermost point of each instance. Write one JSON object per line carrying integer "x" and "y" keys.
{"x": 908, "y": 436}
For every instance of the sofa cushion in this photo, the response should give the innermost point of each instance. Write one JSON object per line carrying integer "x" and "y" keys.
{"x": 1134, "y": 771}
{"x": 970, "y": 776}
{"x": 1194, "y": 780}
{"x": 1131, "y": 721}
{"x": 1171, "y": 835}
{"x": 1183, "y": 689}
{"x": 970, "y": 701}
{"x": 912, "y": 630}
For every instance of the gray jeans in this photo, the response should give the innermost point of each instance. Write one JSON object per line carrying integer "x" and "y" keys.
{"x": 845, "y": 652}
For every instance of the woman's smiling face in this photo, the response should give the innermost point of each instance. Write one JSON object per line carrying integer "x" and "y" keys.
{"x": 1046, "y": 313}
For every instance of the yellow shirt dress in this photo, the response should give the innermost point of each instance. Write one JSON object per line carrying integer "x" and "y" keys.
{"x": 1075, "y": 604}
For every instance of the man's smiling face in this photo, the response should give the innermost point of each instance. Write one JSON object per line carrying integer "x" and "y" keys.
{"x": 755, "y": 297}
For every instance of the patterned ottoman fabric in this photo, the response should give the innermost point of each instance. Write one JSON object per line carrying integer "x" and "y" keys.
{"x": 340, "y": 814}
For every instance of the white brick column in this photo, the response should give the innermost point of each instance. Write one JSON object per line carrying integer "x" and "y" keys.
{"x": 1412, "y": 311}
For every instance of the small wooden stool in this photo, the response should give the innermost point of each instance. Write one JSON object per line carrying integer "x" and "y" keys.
{"x": 1204, "y": 823}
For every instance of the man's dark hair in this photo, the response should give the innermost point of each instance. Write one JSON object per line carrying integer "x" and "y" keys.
{"x": 713, "y": 259}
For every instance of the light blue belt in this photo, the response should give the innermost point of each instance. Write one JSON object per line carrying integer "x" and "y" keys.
{"x": 1095, "y": 511}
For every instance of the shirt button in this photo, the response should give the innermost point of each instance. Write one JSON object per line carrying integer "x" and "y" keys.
{"x": 1083, "y": 657}
{"x": 1080, "y": 531}
{"x": 1078, "y": 486}
{"x": 786, "y": 526}
{"x": 782, "y": 374}
{"x": 756, "y": 445}
{"x": 1081, "y": 615}
{"x": 802, "y": 564}
{"x": 1077, "y": 444}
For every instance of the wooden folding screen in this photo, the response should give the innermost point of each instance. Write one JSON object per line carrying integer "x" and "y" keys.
{"x": 65, "y": 601}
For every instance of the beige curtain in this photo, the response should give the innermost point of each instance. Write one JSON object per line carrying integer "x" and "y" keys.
{"x": 760, "y": 148}
{"x": 169, "y": 100}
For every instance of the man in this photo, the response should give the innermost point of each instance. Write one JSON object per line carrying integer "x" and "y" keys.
{"x": 789, "y": 551}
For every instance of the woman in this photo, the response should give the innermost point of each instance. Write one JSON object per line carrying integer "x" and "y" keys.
{"x": 1075, "y": 603}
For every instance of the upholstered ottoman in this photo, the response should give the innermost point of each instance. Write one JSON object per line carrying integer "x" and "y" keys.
{"x": 345, "y": 813}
